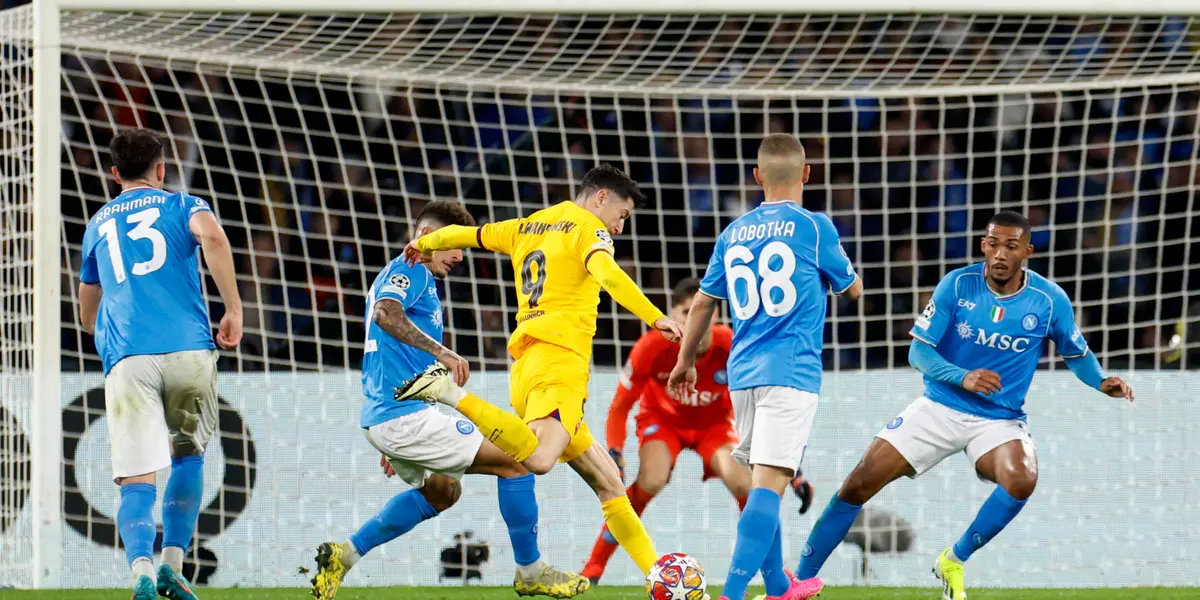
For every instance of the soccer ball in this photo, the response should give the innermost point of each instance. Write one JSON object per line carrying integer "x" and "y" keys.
{"x": 676, "y": 576}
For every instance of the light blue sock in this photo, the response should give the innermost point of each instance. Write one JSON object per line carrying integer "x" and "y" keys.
{"x": 829, "y": 531}
{"x": 774, "y": 577}
{"x": 181, "y": 501}
{"x": 519, "y": 507}
{"x": 135, "y": 520}
{"x": 996, "y": 513}
{"x": 755, "y": 535}
{"x": 402, "y": 513}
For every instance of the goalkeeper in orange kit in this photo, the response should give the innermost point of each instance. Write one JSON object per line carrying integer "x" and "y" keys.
{"x": 562, "y": 256}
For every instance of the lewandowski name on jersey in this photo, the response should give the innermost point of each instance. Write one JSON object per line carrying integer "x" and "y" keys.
{"x": 973, "y": 328}
{"x": 774, "y": 265}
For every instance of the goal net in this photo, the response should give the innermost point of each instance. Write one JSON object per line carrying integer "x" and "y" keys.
{"x": 317, "y": 138}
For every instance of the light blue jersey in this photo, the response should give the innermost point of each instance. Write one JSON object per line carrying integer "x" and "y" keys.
{"x": 973, "y": 328}
{"x": 774, "y": 266}
{"x": 387, "y": 362}
{"x": 141, "y": 251}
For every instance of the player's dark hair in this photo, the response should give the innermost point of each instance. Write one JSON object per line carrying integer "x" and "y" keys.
{"x": 608, "y": 177}
{"x": 135, "y": 151}
{"x": 684, "y": 288}
{"x": 446, "y": 212}
{"x": 1010, "y": 218}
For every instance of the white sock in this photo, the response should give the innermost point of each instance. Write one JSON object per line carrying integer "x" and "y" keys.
{"x": 532, "y": 569}
{"x": 142, "y": 566}
{"x": 954, "y": 557}
{"x": 350, "y": 555}
{"x": 172, "y": 556}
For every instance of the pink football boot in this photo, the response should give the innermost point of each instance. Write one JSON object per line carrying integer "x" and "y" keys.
{"x": 801, "y": 589}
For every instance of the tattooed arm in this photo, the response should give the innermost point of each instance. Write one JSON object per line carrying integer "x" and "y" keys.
{"x": 390, "y": 316}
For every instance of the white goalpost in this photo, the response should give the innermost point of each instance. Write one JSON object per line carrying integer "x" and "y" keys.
{"x": 318, "y": 129}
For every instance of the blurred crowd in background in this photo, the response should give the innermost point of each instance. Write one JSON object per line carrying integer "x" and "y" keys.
{"x": 315, "y": 185}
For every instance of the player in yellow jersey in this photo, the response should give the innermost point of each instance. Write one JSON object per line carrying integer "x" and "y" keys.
{"x": 562, "y": 256}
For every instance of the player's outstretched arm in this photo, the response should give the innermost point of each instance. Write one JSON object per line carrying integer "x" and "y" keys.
{"x": 390, "y": 316}
{"x": 682, "y": 380}
{"x": 633, "y": 380}
{"x": 613, "y": 279}
{"x": 1088, "y": 370}
{"x": 450, "y": 237}
{"x": 219, "y": 257}
{"x": 926, "y": 360}
{"x": 89, "y": 305}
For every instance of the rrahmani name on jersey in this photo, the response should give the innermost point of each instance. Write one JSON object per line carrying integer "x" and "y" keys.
{"x": 140, "y": 250}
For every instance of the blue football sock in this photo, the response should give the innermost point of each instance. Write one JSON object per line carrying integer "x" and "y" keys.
{"x": 135, "y": 520}
{"x": 996, "y": 513}
{"x": 518, "y": 506}
{"x": 755, "y": 535}
{"x": 402, "y": 513}
{"x": 774, "y": 577}
{"x": 181, "y": 501}
{"x": 829, "y": 531}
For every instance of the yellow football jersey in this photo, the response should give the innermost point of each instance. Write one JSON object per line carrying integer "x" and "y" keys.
{"x": 550, "y": 249}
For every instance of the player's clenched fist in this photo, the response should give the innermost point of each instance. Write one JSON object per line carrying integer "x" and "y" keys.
{"x": 982, "y": 381}
{"x": 1116, "y": 387}
{"x": 229, "y": 332}
{"x": 458, "y": 366}
{"x": 670, "y": 329}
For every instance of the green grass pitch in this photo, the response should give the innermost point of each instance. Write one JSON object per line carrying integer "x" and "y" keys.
{"x": 620, "y": 593}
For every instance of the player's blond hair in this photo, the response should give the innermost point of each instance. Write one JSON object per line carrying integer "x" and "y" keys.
{"x": 780, "y": 159}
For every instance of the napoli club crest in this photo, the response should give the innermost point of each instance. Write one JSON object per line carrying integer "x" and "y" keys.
{"x": 465, "y": 427}
{"x": 720, "y": 377}
{"x": 895, "y": 423}
{"x": 1029, "y": 322}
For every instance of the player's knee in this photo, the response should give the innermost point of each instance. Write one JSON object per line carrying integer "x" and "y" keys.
{"x": 1019, "y": 480}
{"x": 540, "y": 463}
{"x": 441, "y": 492}
{"x": 652, "y": 483}
{"x": 858, "y": 488}
{"x": 739, "y": 485}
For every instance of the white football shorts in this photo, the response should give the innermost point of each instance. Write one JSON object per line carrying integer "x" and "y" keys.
{"x": 773, "y": 423}
{"x": 156, "y": 402}
{"x": 927, "y": 433}
{"x": 427, "y": 441}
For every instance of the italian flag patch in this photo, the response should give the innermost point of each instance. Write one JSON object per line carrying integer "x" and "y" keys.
{"x": 997, "y": 314}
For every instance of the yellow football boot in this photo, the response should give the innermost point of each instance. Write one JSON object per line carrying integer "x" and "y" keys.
{"x": 551, "y": 582}
{"x": 330, "y": 571}
{"x": 950, "y": 573}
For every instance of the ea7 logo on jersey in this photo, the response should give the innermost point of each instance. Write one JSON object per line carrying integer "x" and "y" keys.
{"x": 606, "y": 240}
{"x": 967, "y": 304}
{"x": 1001, "y": 342}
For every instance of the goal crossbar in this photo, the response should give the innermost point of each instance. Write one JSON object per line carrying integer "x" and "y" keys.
{"x": 1009, "y": 7}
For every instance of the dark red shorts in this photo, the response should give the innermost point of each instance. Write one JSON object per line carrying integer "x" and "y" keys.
{"x": 704, "y": 442}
